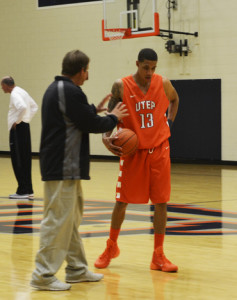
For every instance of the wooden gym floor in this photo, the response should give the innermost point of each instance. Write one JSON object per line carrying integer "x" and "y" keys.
{"x": 201, "y": 237}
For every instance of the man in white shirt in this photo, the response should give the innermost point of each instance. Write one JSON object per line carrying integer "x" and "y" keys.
{"x": 22, "y": 108}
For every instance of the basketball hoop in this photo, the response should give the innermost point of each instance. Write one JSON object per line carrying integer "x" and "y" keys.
{"x": 117, "y": 34}
{"x": 129, "y": 19}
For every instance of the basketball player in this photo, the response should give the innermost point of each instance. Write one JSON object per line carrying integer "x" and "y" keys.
{"x": 146, "y": 174}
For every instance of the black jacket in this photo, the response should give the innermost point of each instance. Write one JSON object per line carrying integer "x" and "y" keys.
{"x": 67, "y": 120}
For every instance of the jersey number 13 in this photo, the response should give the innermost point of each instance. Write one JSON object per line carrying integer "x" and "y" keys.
{"x": 147, "y": 120}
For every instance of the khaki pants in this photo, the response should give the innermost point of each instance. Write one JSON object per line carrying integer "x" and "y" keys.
{"x": 59, "y": 236}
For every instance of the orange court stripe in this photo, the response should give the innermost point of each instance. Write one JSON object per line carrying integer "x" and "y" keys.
{"x": 202, "y": 209}
{"x": 122, "y": 230}
{"x": 128, "y": 213}
{"x": 16, "y": 212}
{"x": 99, "y": 221}
{"x": 14, "y": 220}
{"x": 104, "y": 207}
{"x": 204, "y": 232}
{"x": 22, "y": 226}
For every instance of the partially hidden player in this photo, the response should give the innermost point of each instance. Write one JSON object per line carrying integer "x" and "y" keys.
{"x": 146, "y": 174}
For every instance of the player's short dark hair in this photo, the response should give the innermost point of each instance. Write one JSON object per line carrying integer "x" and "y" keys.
{"x": 9, "y": 81}
{"x": 148, "y": 54}
{"x": 73, "y": 62}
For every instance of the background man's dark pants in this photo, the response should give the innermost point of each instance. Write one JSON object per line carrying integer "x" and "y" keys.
{"x": 20, "y": 147}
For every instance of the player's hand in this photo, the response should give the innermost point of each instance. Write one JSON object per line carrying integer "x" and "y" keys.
{"x": 100, "y": 107}
{"x": 108, "y": 142}
{"x": 120, "y": 111}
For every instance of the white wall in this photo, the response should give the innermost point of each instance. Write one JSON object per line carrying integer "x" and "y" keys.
{"x": 34, "y": 41}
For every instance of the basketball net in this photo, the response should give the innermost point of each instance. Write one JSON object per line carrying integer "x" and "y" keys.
{"x": 115, "y": 34}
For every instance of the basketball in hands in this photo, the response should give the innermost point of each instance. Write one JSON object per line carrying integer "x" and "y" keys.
{"x": 127, "y": 140}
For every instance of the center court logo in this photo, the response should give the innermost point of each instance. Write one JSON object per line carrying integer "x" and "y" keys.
{"x": 183, "y": 219}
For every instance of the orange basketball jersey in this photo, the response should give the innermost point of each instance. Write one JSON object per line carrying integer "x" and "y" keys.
{"x": 147, "y": 113}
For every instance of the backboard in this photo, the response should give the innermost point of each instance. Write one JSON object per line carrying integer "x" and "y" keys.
{"x": 128, "y": 19}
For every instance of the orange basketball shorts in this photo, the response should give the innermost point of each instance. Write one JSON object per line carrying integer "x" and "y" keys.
{"x": 145, "y": 175}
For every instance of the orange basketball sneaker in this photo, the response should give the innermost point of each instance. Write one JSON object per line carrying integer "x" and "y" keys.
{"x": 160, "y": 262}
{"x": 111, "y": 251}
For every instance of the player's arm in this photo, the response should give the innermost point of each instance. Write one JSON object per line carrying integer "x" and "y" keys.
{"x": 117, "y": 96}
{"x": 173, "y": 99}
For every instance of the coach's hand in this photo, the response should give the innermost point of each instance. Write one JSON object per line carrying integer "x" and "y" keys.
{"x": 100, "y": 107}
{"x": 120, "y": 111}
